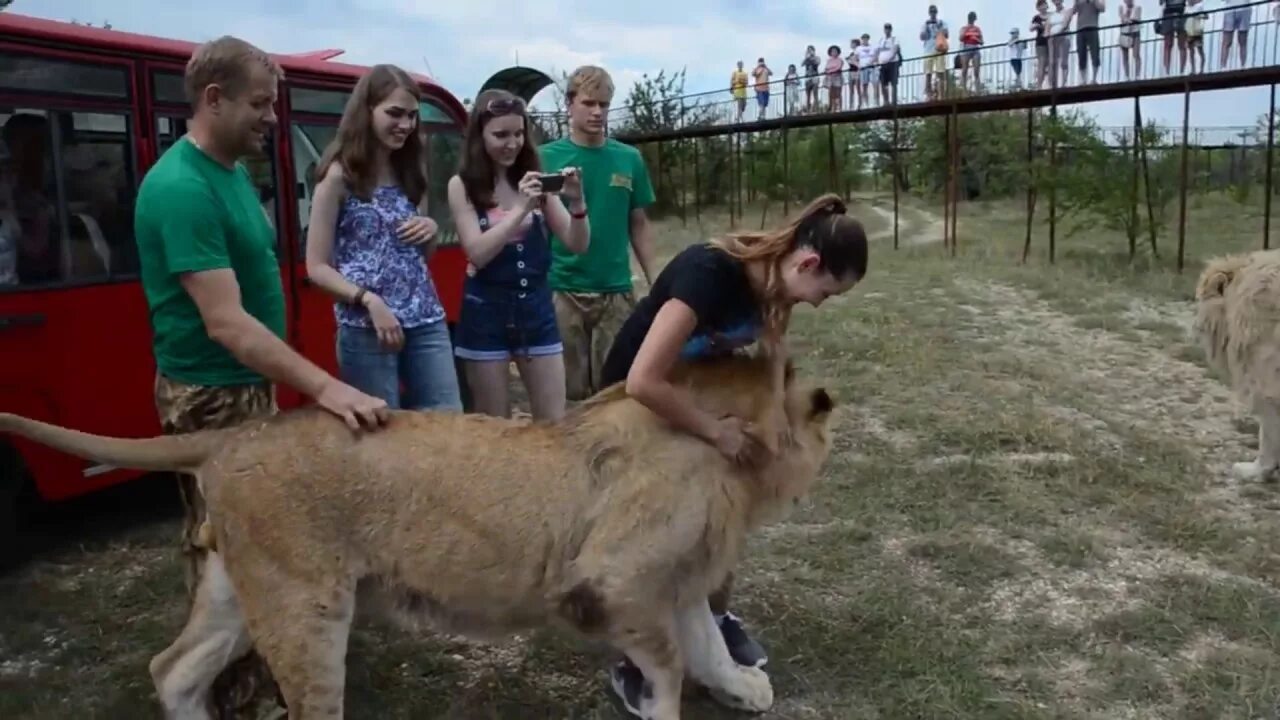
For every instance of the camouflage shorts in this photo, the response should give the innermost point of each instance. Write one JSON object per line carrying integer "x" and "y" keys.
{"x": 589, "y": 322}
{"x": 245, "y": 690}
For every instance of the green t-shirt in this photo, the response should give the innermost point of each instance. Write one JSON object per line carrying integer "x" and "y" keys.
{"x": 615, "y": 181}
{"x": 195, "y": 214}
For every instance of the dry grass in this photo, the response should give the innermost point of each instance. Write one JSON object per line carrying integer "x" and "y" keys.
{"x": 1027, "y": 515}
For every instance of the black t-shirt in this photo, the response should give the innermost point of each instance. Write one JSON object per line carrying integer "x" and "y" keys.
{"x": 715, "y": 286}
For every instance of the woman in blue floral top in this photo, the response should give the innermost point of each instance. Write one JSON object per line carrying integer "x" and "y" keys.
{"x": 368, "y": 244}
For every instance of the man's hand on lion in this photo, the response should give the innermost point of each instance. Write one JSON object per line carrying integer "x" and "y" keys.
{"x": 355, "y": 408}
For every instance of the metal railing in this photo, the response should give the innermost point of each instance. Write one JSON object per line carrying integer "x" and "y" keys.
{"x": 994, "y": 72}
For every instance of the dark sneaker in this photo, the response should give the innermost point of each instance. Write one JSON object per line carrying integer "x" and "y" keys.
{"x": 628, "y": 683}
{"x": 744, "y": 650}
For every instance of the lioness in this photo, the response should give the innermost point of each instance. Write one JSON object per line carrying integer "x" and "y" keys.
{"x": 610, "y": 523}
{"x": 1238, "y": 323}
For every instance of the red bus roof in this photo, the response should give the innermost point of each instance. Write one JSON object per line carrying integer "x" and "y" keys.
{"x": 65, "y": 33}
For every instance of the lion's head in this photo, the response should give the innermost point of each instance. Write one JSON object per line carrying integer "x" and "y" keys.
{"x": 798, "y": 424}
{"x": 1237, "y": 306}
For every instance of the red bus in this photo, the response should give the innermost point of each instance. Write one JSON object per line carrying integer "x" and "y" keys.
{"x": 84, "y": 112}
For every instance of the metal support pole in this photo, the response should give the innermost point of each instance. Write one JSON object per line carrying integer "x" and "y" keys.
{"x": 1271, "y": 134}
{"x": 1053, "y": 179}
{"x": 1031, "y": 181}
{"x": 946, "y": 191}
{"x": 698, "y": 185}
{"x": 1133, "y": 193}
{"x": 1182, "y": 181}
{"x": 955, "y": 183}
{"x": 786, "y": 171}
{"x": 684, "y": 185}
{"x": 831, "y": 158}
{"x": 897, "y": 169}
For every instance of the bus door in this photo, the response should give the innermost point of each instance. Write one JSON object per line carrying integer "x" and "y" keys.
{"x": 314, "y": 111}
{"x": 170, "y": 113}
{"x": 74, "y": 336}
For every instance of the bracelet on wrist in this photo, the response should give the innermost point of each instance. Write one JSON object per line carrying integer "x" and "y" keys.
{"x": 358, "y": 298}
{"x": 578, "y": 214}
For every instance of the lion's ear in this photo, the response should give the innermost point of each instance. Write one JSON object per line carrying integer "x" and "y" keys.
{"x": 820, "y": 403}
{"x": 1220, "y": 280}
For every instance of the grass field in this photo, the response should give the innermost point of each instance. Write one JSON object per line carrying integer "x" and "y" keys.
{"x": 1027, "y": 515}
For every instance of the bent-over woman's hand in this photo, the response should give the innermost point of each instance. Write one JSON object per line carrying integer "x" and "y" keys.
{"x": 739, "y": 446}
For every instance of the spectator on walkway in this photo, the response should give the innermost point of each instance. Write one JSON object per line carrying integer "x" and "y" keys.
{"x": 1088, "y": 47}
{"x": 935, "y": 62}
{"x": 970, "y": 52}
{"x": 868, "y": 73}
{"x": 812, "y": 75}
{"x": 1131, "y": 37}
{"x": 791, "y": 83}
{"x": 1059, "y": 44}
{"x": 761, "y": 74}
{"x": 889, "y": 60}
{"x": 1173, "y": 23}
{"x": 1017, "y": 47}
{"x": 1235, "y": 21}
{"x": 835, "y": 78}
{"x": 1197, "y": 18}
{"x": 1040, "y": 26}
{"x": 738, "y": 86}
{"x": 852, "y": 59}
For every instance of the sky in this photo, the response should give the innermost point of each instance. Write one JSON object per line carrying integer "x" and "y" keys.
{"x": 461, "y": 43}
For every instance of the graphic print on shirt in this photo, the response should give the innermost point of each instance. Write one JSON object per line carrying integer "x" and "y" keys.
{"x": 714, "y": 342}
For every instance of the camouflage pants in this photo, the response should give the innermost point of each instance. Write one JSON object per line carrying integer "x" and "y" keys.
{"x": 589, "y": 322}
{"x": 245, "y": 690}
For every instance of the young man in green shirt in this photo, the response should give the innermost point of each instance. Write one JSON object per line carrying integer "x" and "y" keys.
{"x": 592, "y": 291}
{"x": 212, "y": 283}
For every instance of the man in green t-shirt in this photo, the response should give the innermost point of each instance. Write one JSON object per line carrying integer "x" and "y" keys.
{"x": 212, "y": 283}
{"x": 592, "y": 291}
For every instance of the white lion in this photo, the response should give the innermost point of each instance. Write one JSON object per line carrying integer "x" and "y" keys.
{"x": 1238, "y": 323}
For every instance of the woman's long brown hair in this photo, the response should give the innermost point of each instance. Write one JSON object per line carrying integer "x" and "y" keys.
{"x": 839, "y": 240}
{"x": 353, "y": 147}
{"x": 477, "y": 171}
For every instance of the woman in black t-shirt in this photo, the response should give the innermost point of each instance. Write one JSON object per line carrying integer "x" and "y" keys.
{"x": 716, "y": 298}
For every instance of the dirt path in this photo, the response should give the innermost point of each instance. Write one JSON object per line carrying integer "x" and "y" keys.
{"x": 1143, "y": 386}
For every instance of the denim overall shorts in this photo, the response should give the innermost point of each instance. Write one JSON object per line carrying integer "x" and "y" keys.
{"x": 507, "y": 309}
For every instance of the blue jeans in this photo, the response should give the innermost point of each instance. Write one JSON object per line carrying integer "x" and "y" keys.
{"x": 424, "y": 364}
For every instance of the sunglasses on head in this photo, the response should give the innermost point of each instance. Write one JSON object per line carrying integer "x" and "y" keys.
{"x": 504, "y": 106}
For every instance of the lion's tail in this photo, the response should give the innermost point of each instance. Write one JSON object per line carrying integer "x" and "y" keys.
{"x": 172, "y": 452}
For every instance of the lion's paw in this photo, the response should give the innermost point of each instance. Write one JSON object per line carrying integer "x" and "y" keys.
{"x": 1252, "y": 470}
{"x": 745, "y": 689}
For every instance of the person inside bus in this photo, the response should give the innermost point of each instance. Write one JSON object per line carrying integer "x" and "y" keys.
{"x": 28, "y": 232}
{"x": 503, "y": 215}
{"x": 368, "y": 244}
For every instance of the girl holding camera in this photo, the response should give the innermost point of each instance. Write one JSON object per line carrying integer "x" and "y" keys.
{"x": 503, "y": 215}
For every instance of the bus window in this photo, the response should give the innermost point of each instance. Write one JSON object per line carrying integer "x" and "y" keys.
{"x": 168, "y": 87}
{"x": 66, "y": 197}
{"x": 309, "y": 143}
{"x": 30, "y": 74}
{"x": 262, "y": 168}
